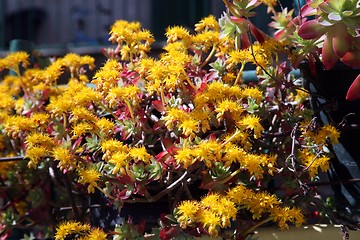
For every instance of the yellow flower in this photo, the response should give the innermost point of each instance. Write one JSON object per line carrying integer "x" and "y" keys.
{"x": 202, "y": 116}
{"x": 70, "y": 227}
{"x": 16, "y": 125}
{"x": 74, "y": 61}
{"x": 330, "y": 132}
{"x": 252, "y": 92}
{"x": 238, "y": 56}
{"x": 229, "y": 78}
{"x": 86, "y": 95}
{"x": 252, "y": 163}
{"x": 269, "y": 3}
{"x": 39, "y": 139}
{"x": 89, "y": 176}
{"x": 173, "y": 115}
{"x": 175, "y": 47}
{"x": 111, "y": 146}
{"x": 7, "y": 102}
{"x": 82, "y": 114}
{"x": 64, "y": 157}
{"x": 5, "y": 168}
{"x": 176, "y": 33}
{"x": 59, "y": 105}
{"x": 122, "y": 94}
{"x": 313, "y": 162}
{"x": 240, "y": 195}
{"x": 209, "y": 152}
{"x": 187, "y": 211}
{"x": 13, "y": 60}
{"x": 21, "y": 207}
{"x": 251, "y": 122}
{"x": 140, "y": 153}
{"x": 80, "y": 129}
{"x": 207, "y": 23}
{"x": 106, "y": 126}
{"x": 229, "y": 106}
{"x": 107, "y": 77}
{"x": 205, "y": 40}
{"x": 283, "y": 215}
{"x": 233, "y": 154}
{"x": 120, "y": 160}
{"x": 227, "y": 211}
{"x": 189, "y": 127}
{"x": 185, "y": 157}
{"x": 210, "y": 221}
{"x": 40, "y": 119}
{"x": 96, "y": 234}
{"x": 35, "y": 154}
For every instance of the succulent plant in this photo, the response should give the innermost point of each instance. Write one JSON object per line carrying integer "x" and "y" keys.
{"x": 334, "y": 25}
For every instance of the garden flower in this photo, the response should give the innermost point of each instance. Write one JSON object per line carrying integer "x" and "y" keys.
{"x": 183, "y": 129}
{"x": 90, "y": 177}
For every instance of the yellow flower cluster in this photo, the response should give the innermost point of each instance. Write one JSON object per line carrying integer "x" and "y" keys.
{"x": 215, "y": 211}
{"x": 89, "y": 176}
{"x": 219, "y": 101}
{"x": 131, "y": 39}
{"x": 13, "y": 60}
{"x": 211, "y": 152}
{"x": 83, "y": 231}
{"x": 107, "y": 77}
{"x": 120, "y": 155}
{"x": 310, "y": 158}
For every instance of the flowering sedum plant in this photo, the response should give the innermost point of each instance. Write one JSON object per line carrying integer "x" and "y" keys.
{"x": 182, "y": 129}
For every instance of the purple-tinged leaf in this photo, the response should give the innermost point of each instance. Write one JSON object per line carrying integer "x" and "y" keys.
{"x": 307, "y": 10}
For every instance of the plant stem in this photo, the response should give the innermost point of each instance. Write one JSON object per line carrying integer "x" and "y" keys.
{"x": 251, "y": 229}
{"x": 209, "y": 56}
{"x": 239, "y": 75}
{"x": 105, "y": 193}
{"x": 231, "y": 138}
{"x": 230, "y": 176}
{"x": 130, "y": 109}
{"x": 71, "y": 196}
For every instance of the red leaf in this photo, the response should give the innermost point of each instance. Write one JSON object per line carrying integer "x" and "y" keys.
{"x": 354, "y": 90}
{"x": 329, "y": 57}
{"x": 245, "y": 41}
{"x": 259, "y": 35}
{"x": 168, "y": 233}
{"x": 311, "y": 30}
{"x": 352, "y": 58}
{"x": 158, "y": 105}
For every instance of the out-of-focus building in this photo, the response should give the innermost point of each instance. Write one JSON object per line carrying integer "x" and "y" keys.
{"x": 59, "y": 25}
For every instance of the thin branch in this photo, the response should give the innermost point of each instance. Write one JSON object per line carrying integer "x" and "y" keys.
{"x": 13, "y": 159}
{"x": 162, "y": 193}
{"x": 71, "y": 197}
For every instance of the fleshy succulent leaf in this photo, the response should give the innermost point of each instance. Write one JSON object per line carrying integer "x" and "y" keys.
{"x": 311, "y": 30}
{"x": 334, "y": 16}
{"x": 352, "y": 58}
{"x": 329, "y": 57}
{"x": 342, "y": 40}
{"x": 354, "y": 90}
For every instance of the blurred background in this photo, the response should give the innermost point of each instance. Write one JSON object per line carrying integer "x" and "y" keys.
{"x": 57, "y": 26}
